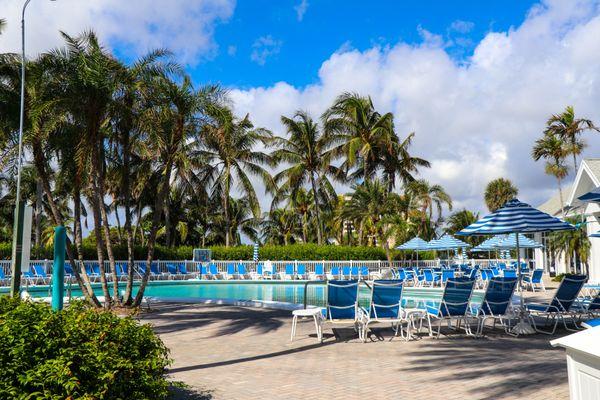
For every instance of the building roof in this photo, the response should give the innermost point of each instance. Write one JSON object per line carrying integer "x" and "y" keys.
{"x": 587, "y": 178}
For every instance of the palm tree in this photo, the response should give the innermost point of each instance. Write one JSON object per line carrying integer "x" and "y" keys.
{"x": 398, "y": 162}
{"x": 498, "y": 192}
{"x": 574, "y": 245}
{"x": 363, "y": 133}
{"x": 569, "y": 129}
{"x": 427, "y": 196}
{"x": 2, "y": 25}
{"x": 460, "y": 220}
{"x": 551, "y": 148}
{"x": 279, "y": 227}
{"x": 308, "y": 162}
{"x": 228, "y": 154}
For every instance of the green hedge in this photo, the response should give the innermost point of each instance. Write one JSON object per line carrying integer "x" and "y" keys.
{"x": 291, "y": 252}
{"x": 77, "y": 353}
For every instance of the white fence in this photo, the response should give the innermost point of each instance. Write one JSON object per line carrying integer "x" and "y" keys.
{"x": 192, "y": 267}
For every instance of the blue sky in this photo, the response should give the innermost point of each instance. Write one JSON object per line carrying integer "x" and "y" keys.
{"x": 297, "y": 45}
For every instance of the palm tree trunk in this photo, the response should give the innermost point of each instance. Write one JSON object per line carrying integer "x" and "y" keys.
{"x": 38, "y": 213}
{"x": 99, "y": 244}
{"x": 40, "y": 163}
{"x": 317, "y": 211}
{"x": 226, "y": 206}
{"x": 167, "y": 213}
{"x": 560, "y": 194}
{"x": 118, "y": 219}
{"x": 127, "y": 298}
{"x": 78, "y": 236}
{"x": 156, "y": 217}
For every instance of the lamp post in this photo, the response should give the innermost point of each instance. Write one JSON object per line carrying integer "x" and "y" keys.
{"x": 17, "y": 249}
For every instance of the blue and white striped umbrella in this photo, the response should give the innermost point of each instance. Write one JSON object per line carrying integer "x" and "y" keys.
{"x": 510, "y": 242}
{"x": 255, "y": 253}
{"x": 447, "y": 242}
{"x": 489, "y": 244}
{"x": 594, "y": 195}
{"x": 514, "y": 217}
{"x": 416, "y": 244}
{"x": 597, "y": 234}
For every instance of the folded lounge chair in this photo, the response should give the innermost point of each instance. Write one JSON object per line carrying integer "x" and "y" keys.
{"x": 288, "y": 273}
{"x": 385, "y": 306}
{"x": 560, "y": 308}
{"x": 319, "y": 272}
{"x": 301, "y": 272}
{"x": 496, "y": 303}
{"x": 334, "y": 273}
{"x": 454, "y": 304}
{"x": 342, "y": 304}
{"x": 242, "y": 271}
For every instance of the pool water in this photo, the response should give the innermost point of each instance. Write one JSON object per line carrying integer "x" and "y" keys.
{"x": 288, "y": 292}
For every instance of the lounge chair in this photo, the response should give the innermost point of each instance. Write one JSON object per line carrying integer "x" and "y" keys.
{"x": 242, "y": 271}
{"x": 346, "y": 272}
{"x": 318, "y": 273}
{"x": 257, "y": 273}
{"x": 69, "y": 273}
{"x": 173, "y": 270}
{"x": 447, "y": 274}
{"x": 213, "y": 272}
{"x": 354, "y": 272}
{"x": 429, "y": 278}
{"x": 301, "y": 272}
{"x": 230, "y": 272}
{"x": 510, "y": 273}
{"x": 3, "y": 279}
{"x": 288, "y": 273}
{"x": 342, "y": 304}
{"x": 183, "y": 271}
{"x": 364, "y": 272}
{"x": 592, "y": 323}
{"x": 560, "y": 308}
{"x": 40, "y": 273}
{"x": 453, "y": 306}
{"x": 121, "y": 271}
{"x": 385, "y": 306}
{"x": 588, "y": 307}
{"x": 535, "y": 280}
{"x": 270, "y": 273}
{"x": 496, "y": 303}
{"x": 334, "y": 273}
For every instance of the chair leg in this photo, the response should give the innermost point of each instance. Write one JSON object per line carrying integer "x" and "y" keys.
{"x": 294, "y": 321}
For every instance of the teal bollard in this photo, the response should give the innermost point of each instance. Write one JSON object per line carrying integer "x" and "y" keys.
{"x": 58, "y": 268}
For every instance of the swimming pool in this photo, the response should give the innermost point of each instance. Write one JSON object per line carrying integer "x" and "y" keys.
{"x": 267, "y": 291}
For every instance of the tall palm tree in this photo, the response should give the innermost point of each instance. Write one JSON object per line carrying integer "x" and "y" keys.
{"x": 227, "y": 150}
{"x": 279, "y": 227}
{"x": 308, "y": 162}
{"x": 573, "y": 245}
{"x": 498, "y": 192}
{"x": 552, "y": 149}
{"x": 459, "y": 220}
{"x": 427, "y": 197}
{"x": 364, "y": 133}
{"x": 398, "y": 162}
{"x": 569, "y": 129}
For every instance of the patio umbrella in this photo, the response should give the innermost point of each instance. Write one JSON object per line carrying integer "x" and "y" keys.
{"x": 510, "y": 242}
{"x": 597, "y": 234}
{"x": 447, "y": 242}
{"x": 488, "y": 245}
{"x": 594, "y": 195}
{"x": 517, "y": 217}
{"x": 415, "y": 244}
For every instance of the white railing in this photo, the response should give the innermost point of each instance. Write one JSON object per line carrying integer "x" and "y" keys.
{"x": 167, "y": 269}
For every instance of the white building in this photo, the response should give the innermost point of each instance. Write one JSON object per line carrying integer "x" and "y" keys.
{"x": 587, "y": 179}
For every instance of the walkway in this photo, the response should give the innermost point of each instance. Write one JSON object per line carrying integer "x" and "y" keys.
{"x": 238, "y": 353}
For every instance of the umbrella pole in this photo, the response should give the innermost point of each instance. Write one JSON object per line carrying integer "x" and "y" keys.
{"x": 523, "y": 327}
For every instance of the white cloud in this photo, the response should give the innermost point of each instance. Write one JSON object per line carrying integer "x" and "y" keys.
{"x": 263, "y": 48}
{"x": 232, "y": 50}
{"x": 462, "y": 26}
{"x": 301, "y": 9}
{"x": 475, "y": 121}
{"x": 185, "y": 27}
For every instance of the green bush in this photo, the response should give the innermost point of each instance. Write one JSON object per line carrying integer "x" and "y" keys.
{"x": 77, "y": 353}
{"x": 291, "y": 252}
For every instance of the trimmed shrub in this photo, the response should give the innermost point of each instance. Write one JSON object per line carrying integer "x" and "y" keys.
{"x": 307, "y": 251}
{"x": 77, "y": 353}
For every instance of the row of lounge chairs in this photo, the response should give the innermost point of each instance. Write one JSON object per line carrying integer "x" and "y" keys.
{"x": 386, "y": 306}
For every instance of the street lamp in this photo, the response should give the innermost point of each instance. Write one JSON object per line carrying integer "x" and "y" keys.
{"x": 19, "y": 209}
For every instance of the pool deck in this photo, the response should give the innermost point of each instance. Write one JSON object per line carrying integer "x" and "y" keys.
{"x": 229, "y": 352}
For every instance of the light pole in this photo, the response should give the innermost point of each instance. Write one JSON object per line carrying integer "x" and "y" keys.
{"x": 17, "y": 249}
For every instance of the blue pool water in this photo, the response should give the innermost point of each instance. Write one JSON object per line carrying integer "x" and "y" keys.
{"x": 288, "y": 292}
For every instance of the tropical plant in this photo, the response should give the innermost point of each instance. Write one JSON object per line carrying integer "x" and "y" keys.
{"x": 569, "y": 129}
{"x": 427, "y": 197}
{"x": 498, "y": 192}
{"x": 551, "y": 148}
{"x": 574, "y": 245}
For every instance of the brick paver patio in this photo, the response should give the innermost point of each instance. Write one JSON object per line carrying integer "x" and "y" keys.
{"x": 226, "y": 352}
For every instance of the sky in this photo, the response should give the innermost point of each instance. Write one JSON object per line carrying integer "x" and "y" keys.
{"x": 475, "y": 80}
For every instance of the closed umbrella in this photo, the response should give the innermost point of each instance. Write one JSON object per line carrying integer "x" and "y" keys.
{"x": 517, "y": 217}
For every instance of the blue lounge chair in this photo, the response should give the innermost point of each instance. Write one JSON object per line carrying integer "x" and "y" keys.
{"x": 121, "y": 271}
{"x": 230, "y": 272}
{"x": 301, "y": 272}
{"x": 588, "y": 306}
{"x": 342, "y": 304}
{"x": 242, "y": 271}
{"x": 69, "y": 273}
{"x": 183, "y": 271}
{"x": 270, "y": 273}
{"x": 510, "y": 273}
{"x": 40, "y": 273}
{"x": 385, "y": 306}
{"x": 496, "y": 303}
{"x": 346, "y": 272}
{"x": 213, "y": 271}
{"x": 258, "y": 272}
{"x": 447, "y": 274}
{"x": 535, "y": 280}
{"x": 430, "y": 277}
{"x": 561, "y": 306}
{"x": 3, "y": 279}
{"x": 334, "y": 273}
{"x": 592, "y": 323}
{"x": 354, "y": 272}
{"x": 454, "y": 304}
{"x": 319, "y": 272}
{"x": 173, "y": 271}
{"x": 364, "y": 272}
{"x": 288, "y": 273}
